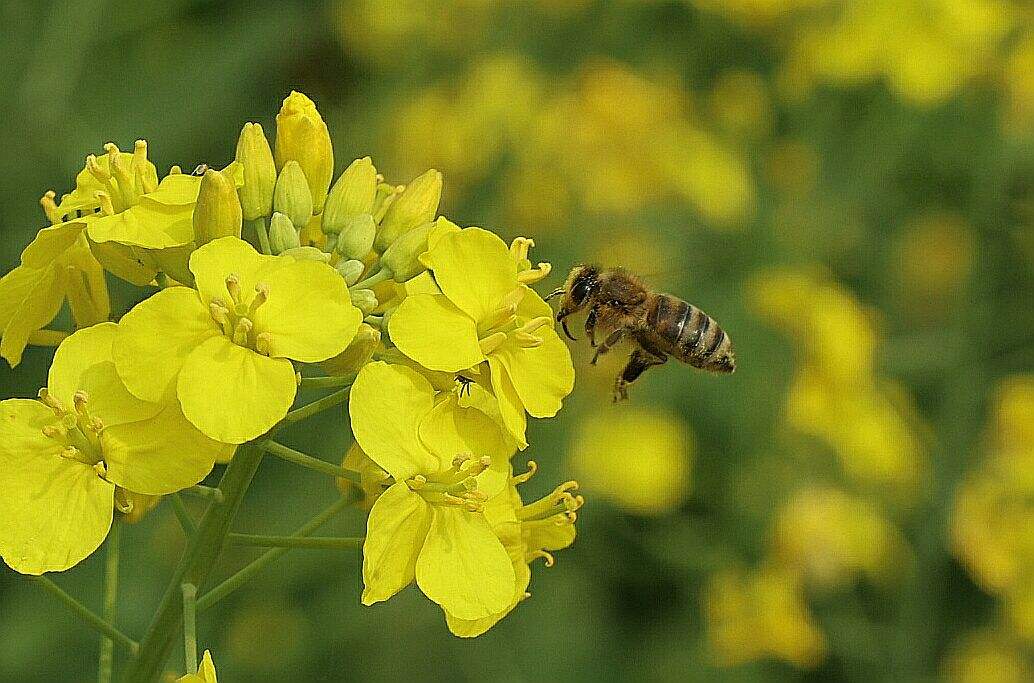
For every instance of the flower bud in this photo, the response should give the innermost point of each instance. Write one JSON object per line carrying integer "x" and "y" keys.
{"x": 386, "y": 194}
{"x": 351, "y": 270}
{"x": 365, "y": 300}
{"x": 356, "y": 239}
{"x": 417, "y": 205}
{"x": 291, "y": 196}
{"x": 402, "y": 258}
{"x": 307, "y": 254}
{"x": 352, "y": 194}
{"x": 256, "y": 159}
{"x": 282, "y": 234}
{"x": 357, "y": 354}
{"x": 218, "y": 210}
{"x": 302, "y": 136}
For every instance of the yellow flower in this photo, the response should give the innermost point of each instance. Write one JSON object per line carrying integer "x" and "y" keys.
{"x": 225, "y": 348}
{"x": 528, "y": 532}
{"x": 486, "y": 314}
{"x": 205, "y": 672}
{"x": 761, "y": 614}
{"x": 637, "y": 457}
{"x": 62, "y": 457}
{"x": 302, "y": 136}
{"x": 430, "y": 524}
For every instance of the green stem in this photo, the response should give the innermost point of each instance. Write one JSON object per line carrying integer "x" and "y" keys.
{"x": 88, "y": 617}
{"x": 319, "y": 543}
{"x": 305, "y": 460}
{"x": 106, "y": 662}
{"x": 196, "y": 564}
{"x": 375, "y": 320}
{"x": 189, "y": 591}
{"x": 183, "y": 515}
{"x": 331, "y": 382}
{"x": 378, "y": 277}
{"x": 200, "y": 491}
{"x": 247, "y": 573}
{"x": 259, "y": 225}
{"x": 310, "y": 409}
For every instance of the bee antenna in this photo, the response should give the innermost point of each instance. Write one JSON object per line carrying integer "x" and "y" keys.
{"x": 563, "y": 324}
{"x": 555, "y": 293}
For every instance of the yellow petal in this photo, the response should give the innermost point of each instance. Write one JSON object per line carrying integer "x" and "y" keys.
{"x": 54, "y": 512}
{"x": 432, "y": 331}
{"x": 463, "y": 567}
{"x": 29, "y": 300}
{"x": 474, "y": 269}
{"x": 542, "y": 375}
{"x": 395, "y": 532}
{"x": 472, "y": 628}
{"x": 148, "y": 224}
{"x": 449, "y": 430}
{"x": 51, "y": 242}
{"x": 233, "y": 394}
{"x": 511, "y": 410}
{"x": 309, "y": 313}
{"x": 155, "y": 338}
{"x": 214, "y": 262}
{"x": 83, "y": 362}
{"x": 161, "y": 454}
{"x": 386, "y": 405}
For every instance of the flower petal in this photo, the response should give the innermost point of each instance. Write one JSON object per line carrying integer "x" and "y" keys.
{"x": 51, "y": 242}
{"x": 449, "y": 430}
{"x": 83, "y": 362}
{"x": 474, "y": 269}
{"x": 309, "y": 313}
{"x": 148, "y": 224}
{"x": 432, "y": 331}
{"x": 54, "y": 512}
{"x": 155, "y": 338}
{"x": 159, "y": 455}
{"x": 29, "y": 300}
{"x": 213, "y": 263}
{"x": 463, "y": 566}
{"x": 386, "y": 405}
{"x": 233, "y": 394}
{"x": 542, "y": 375}
{"x": 511, "y": 410}
{"x": 395, "y": 532}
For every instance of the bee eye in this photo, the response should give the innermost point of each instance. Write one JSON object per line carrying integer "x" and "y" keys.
{"x": 579, "y": 291}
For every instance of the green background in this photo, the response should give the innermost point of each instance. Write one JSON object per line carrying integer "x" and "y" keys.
{"x": 627, "y": 600}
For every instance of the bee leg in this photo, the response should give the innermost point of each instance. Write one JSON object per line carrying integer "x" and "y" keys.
{"x": 590, "y": 326}
{"x": 612, "y": 339}
{"x": 639, "y": 361}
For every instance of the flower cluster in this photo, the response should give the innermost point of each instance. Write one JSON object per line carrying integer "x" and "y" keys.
{"x": 258, "y": 276}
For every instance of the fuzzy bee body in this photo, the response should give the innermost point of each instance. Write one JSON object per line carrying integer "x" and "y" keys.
{"x": 659, "y": 325}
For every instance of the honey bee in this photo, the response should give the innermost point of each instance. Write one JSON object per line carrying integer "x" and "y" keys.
{"x": 659, "y": 325}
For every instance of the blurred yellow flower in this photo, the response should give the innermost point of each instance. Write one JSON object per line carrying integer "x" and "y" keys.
{"x": 987, "y": 657}
{"x": 638, "y": 458}
{"x": 933, "y": 259}
{"x": 759, "y": 614}
{"x": 205, "y": 672}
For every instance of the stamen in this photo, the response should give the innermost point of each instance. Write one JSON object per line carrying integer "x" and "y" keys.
{"x": 70, "y": 453}
{"x": 416, "y": 483}
{"x": 518, "y": 479}
{"x": 144, "y": 180}
{"x": 492, "y": 342}
{"x": 264, "y": 344}
{"x": 101, "y": 469}
{"x": 261, "y": 297}
{"x": 107, "y": 207}
{"x": 534, "y": 324}
{"x": 96, "y": 424}
{"x": 50, "y": 207}
{"x": 96, "y": 170}
{"x": 79, "y": 400}
{"x": 52, "y": 432}
{"x": 499, "y": 317}
{"x": 458, "y": 461}
{"x": 233, "y": 286}
{"x": 175, "y": 170}
{"x": 69, "y": 421}
{"x": 533, "y": 275}
{"x": 50, "y": 401}
{"x": 514, "y": 298}
{"x": 519, "y": 248}
{"x": 242, "y": 331}
{"x": 527, "y": 341}
{"x": 550, "y": 560}
{"x": 219, "y": 313}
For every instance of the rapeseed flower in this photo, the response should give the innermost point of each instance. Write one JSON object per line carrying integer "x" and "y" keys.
{"x": 486, "y": 314}
{"x": 65, "y": 458}
{"x": 225, "y": 349}
{"x": 205, "y": 672}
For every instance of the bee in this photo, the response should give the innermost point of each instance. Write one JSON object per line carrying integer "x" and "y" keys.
{"x": 659, "y": 325}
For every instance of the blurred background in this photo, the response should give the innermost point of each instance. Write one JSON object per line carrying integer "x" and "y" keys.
{"x": 846, "y": 185}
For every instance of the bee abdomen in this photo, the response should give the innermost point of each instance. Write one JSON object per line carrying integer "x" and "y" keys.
{"x": 694, "y": 336}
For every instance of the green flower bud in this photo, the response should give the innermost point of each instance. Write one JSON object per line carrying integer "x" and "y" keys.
{"x": 218, "y": 210}
{"x": 351, "y": 270}
{"x": 282, "y": 234}
{"x": 356, "y": 239}
{"x": 352, "y": 194}
{"x": 358, "y": 353}
{"x": 256, "y": 159}
{"x": 291, "y": 196}
{"x": 307, "y": 254}
{"x": 417, "y": 205}
{"x": 302, "y": 136}
{"x": 402, "y": 258}
{"x": 365, "y": 300}
{"x": 386, "y": 194}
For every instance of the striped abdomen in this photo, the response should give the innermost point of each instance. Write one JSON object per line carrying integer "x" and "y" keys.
{"x": 690, "y": 335}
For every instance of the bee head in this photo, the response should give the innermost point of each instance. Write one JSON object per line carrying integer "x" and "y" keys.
{"x": 581, "y": 284}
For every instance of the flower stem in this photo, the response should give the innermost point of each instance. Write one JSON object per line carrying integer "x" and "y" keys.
{"x": 317, "y": 543}
{"x": 106, "y": 662}
{"x": 183, "y": 515}
{"x": 196, "y": 564}
{"x": 247, "y": 573}
{"x": 378, "y": 277}
{"x": 201, "y": 491}
{"x": 331, "y": 382}
{"x": 88, "y": 617}
{"x": 319, "y": 405}
{"x": 305, "y": 460}
{"x": 189, "y": 591}
{"x": 259, "y": 224}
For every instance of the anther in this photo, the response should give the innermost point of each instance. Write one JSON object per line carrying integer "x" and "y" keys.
{"x": 550, "y": 560}
{"x": 107, "y": 208}
{"x": 100, "y": 469}
{"x": 79, "y": 400}
{"x": 70, "y": 453}
{"x": 261, "y": 297}
{"x": 418, "y": 482}
{"x": 50, "y": 401}
{"x": 534, "y": 324}
{"x": 533, "y": 275}
{"x": 264, "y": 344}
{"x": 242, "y": 331}
{"x": 96, "y": 424}
{"x": 492, "y": 342}
{"x": 458, "y": 461}
{"x": 219, "y": 313}
{"x": 499, "y": 316}
{"x": 533, "y": 467}
{"x": 124, "y": 506}
{"x": 140, "y": 150}
{"x": 96, "y": 170}
{"x": 112, "y": 149}
{"x": 52, "y": 432}
{"x": 50, "y": 207}
{"x": 233, "y": 286}
{"x": 527, "y": 341}
{"x": 519, "y": 248}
